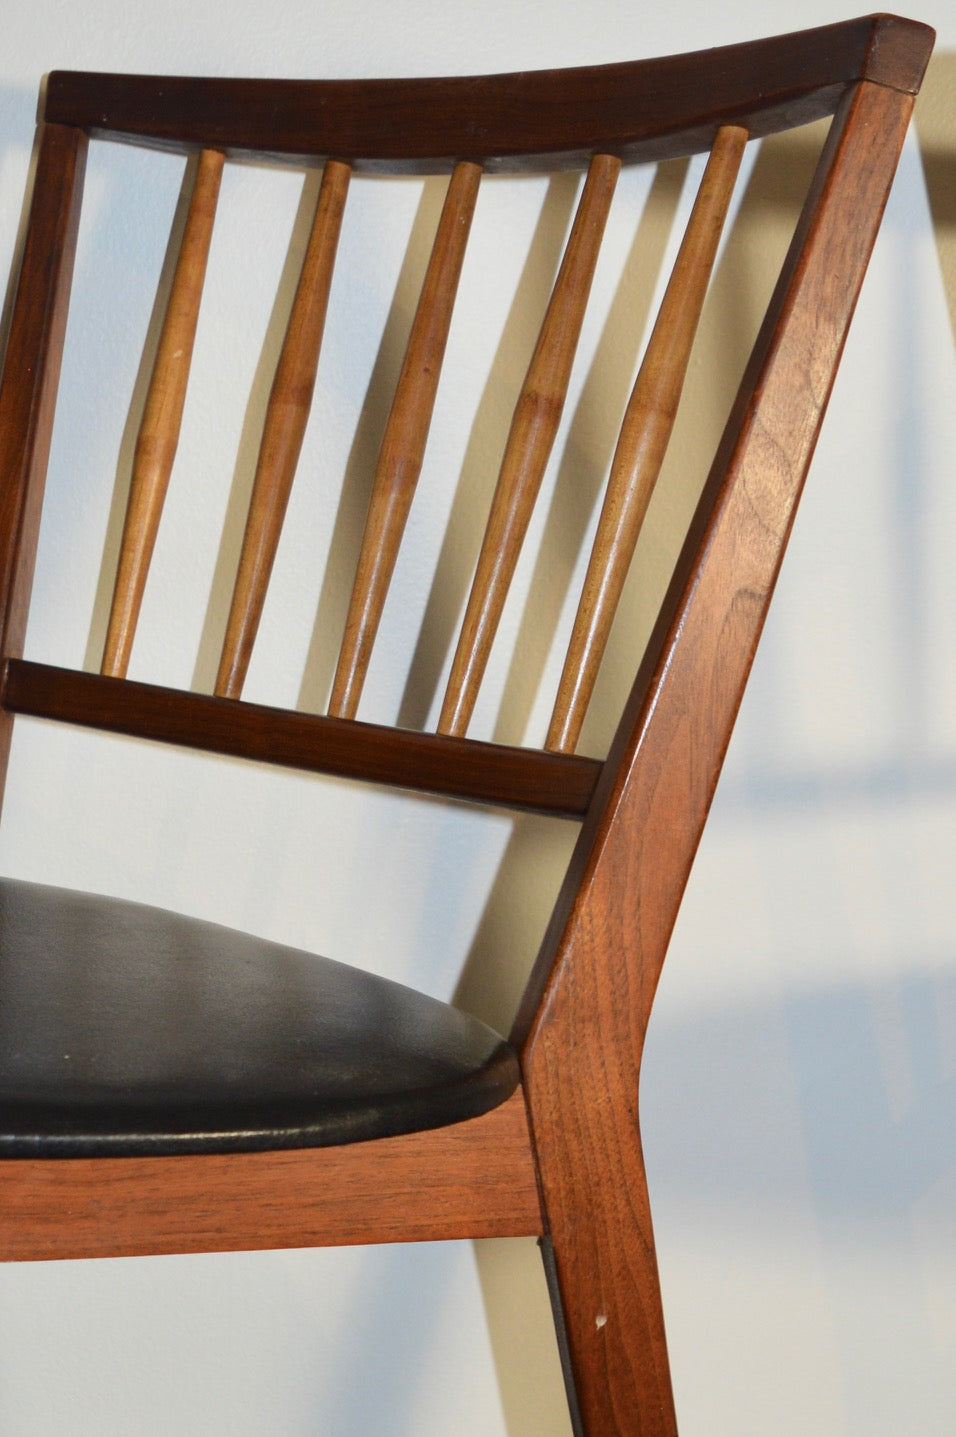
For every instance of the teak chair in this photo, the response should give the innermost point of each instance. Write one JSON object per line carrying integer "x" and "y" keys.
{"x": 365, "y": 1112}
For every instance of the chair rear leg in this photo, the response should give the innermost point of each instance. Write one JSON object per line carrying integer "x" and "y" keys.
{"x": 602, "y": 1274}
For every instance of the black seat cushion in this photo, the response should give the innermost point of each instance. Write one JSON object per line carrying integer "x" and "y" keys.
{"x": 128, "y": 1030}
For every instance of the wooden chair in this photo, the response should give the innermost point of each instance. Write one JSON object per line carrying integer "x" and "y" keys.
{"x": 363, "y": 1112}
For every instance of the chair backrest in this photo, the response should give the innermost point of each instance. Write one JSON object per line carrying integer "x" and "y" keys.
{"x": 645, "y": 805}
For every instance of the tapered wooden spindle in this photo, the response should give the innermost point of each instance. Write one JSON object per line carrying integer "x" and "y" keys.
{"x": 644, "y": 437}
{"x": 403, "y": 445}
{"x": 533, "y": 429}
{"x": 162, "y": 418}
{"x": 283, "y": 431}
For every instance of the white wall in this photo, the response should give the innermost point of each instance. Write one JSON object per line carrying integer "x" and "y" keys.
{"x": 798, "y": 1099}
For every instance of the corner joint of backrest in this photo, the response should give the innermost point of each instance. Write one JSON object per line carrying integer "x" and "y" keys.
{"x": 64, "y": 99}
{"x": 897, "y": 53}
{"x": 48, "y": 98}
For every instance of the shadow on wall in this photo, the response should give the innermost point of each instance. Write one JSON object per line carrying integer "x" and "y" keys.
{"x": 879, "y": 1171}
{"x": 870, "y": 1156}
{"x": 936, "y": 127}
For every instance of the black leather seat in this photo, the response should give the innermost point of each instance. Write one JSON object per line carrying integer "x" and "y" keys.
{"x": 127, "y": 1030}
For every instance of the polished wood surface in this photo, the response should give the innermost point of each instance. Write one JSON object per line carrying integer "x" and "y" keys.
{"x": 474, "y": 1179}
{"x": 495, "y": 774}
{"x": 530, "y": 441}
{"x": 586, "y": 1011}
{"x": 283, "y": 431}
{"x": 644, "y": 438}
{"x": 403, "y": 447}
{"x": 158, "y": 436}
{"x": 541, "y": 119}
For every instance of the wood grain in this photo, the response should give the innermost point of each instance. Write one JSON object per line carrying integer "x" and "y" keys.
{"x": 494, "y": 774}
{"x": 474, "y": 1179}
{"x": 403, "y": 446}
{"x": 643, "y": 110}
{"x": 583, "y": 1034}
{"x": 643, "y": 441}
{"x": 158, "y": 437}
{"x": 283, "y": 431}
{"x": 529, "y": 445}
{"x": 30, "y": 375}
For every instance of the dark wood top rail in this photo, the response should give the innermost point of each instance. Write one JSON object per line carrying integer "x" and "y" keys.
{"x": 495, "y": 774}
{"x": 640, "y": 110}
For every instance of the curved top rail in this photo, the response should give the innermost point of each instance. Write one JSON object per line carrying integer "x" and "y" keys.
{"x": 649, "y": 109}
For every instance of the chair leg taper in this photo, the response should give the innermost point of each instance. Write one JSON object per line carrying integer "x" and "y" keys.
{"x": 599, "y": 1257}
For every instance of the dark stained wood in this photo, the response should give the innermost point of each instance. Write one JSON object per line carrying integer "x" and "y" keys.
{"x": 645, "y": 110}
{"x": 494, "y": 774}
{"x": 28, "y": 392}
{"x": 583, "y": 1035}
{"x": 474, "y": 1179}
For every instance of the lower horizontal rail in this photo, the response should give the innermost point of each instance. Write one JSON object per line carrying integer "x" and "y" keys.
{"x": 473, "y": 1179}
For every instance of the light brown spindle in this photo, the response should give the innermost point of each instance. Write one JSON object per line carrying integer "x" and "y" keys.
{"x": 533, "y": 429}
{"x": 162, "y": 417}
{"x": 403, "y": 445}
{"x": 644, "y": 436}
{"x": 283, "y": 431}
